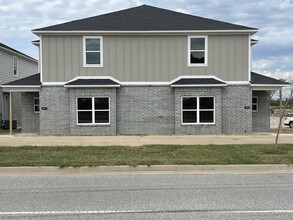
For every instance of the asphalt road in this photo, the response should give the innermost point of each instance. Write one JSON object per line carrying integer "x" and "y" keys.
{"x": 257, "y": 196}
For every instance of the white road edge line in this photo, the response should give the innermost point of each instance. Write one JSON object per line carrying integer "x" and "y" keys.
{"x": 145, "y": 211}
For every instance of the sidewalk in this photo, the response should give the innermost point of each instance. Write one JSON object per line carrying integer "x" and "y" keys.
{"x": 36, "y": 140}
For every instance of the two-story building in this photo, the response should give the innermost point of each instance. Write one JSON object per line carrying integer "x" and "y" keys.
{"x": 13, "y": 65}
{"x": 146, "y": 70}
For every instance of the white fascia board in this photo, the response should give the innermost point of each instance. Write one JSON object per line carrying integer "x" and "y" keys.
{"x": 268, "y": 85}
{"x": 266, "y": 88}
{"x": 19, "y": 86}
{"x": 91, "y": 86}
{"x": 196, "y": 77}
{"x": 21, "y": 89}
{"x": 145, "y": 83}
{"x": 200, "y": 85}
{"x": 144, "y": 32}
{"x": 53, "y": 83}
{"x": 238, "y": 82}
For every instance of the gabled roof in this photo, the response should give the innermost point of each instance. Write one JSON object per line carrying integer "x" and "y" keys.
{"x": 33, "y": 80}
{"x": 145, "y": 18}
{"x": 16, "y": 51}
{"x": 94, "y": 82}
{"x": 199, "y": 81}
{"x": 258, "y": 79}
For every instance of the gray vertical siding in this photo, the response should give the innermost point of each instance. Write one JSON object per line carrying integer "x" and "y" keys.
{"x": 145, "y": 58}
{"x": 26, "y": 67}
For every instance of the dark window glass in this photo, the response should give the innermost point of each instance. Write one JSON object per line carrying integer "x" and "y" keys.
{"x": 84, "y": 103}
{"x": 197, "y": 57}
{"x": 254, "y": 108}
{"x": 206, "y": 103}
{"x": 93, "y": 58}
{"x": 189, "y": 103}
{"x": 206, "y": 116}
{"x": 189, "y": 117}
{"x": 37, "y": 101}
{"x": 197, "y": 44}
{"x": 101, "y": 103}
{"x": 254, "y": 100}
{"x": 92, "y": 44}
{"x": 102, "y": 117}
{"x": 85, "y": 117}
{"x": 37, "y": 108}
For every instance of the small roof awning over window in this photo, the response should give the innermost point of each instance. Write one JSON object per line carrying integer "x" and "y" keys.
{"x": 92, "y": 82}
{"x": 198, "y": 82}
{"x": 30, "y": 83}
{"x": 261, "y": 82}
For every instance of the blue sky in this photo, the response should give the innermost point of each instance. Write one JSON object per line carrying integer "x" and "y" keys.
{"x": 272, "y": 56}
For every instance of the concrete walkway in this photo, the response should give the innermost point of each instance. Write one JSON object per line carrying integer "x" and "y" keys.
{"x": 36, "y": 140}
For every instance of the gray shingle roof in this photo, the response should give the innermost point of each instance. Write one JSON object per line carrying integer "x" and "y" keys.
{"x": 33, "y": 80}
{"x": 261, "y": 79}
{"x": 198, "y": 81}
{"x": 92, "y": 82}
{"x": 144, "y": 18}
{"x": 16, "y": 51}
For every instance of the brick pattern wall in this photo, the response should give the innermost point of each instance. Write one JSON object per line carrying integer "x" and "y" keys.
{"x": 30, "y": 120}
{"x": 92, "y": 129}
{"x": 54, "y": 120}
{"x": 199, "y": 129}
{"x": 261, "y": 118}
{"x": 237, "y": 119}
{"x": 145, "y": 110}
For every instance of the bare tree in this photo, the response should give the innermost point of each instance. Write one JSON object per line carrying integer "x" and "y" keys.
{"x": 288, "y": 104}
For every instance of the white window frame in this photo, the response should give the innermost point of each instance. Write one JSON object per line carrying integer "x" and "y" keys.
{"x": 35, "y": 105}
{"x": 15, "y": 66}
{"x": 93, "y": 110}
{"x": 254, "y": 104}
{"x": 198, "y": 110}
{"x": 205, "y": 64}
{"x": 101, "y": 51}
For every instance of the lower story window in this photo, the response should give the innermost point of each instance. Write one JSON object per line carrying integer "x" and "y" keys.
{"x": 36, "y": 105}
{"x": 254, "y": 104}
{"x": 198, "y": 110}
{"x": 93, "y": 110}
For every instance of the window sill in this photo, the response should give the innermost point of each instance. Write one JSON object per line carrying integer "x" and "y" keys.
{"x": 93, "y": 65}
{"x": 197, "y": 124}
{"x": 197, "y": 65}
{"x": 93, "y": 125}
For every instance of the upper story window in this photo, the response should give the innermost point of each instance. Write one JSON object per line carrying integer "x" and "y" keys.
{"x": 197, "y": 51}
{"x": 15, "y": 66}
{"x": 198, "y": 110}
{"x": 93, "y": 51}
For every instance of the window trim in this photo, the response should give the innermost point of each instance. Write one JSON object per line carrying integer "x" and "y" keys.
{"x": 256, "y": 104}
{"x": 84, "y": 51}
{"x": 205, "y": 64}
{"x": 198, "y": 110}
{"x": 93, "y": 110}
{"x": 37, "y": 112}
{"x": 13, "y": 66}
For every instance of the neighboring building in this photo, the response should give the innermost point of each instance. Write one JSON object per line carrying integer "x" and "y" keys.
{"x": 13, "y": 65}
{"x": 145, "y": 70}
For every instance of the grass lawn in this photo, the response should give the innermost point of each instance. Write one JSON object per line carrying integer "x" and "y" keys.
{"x": 146, "y": 155}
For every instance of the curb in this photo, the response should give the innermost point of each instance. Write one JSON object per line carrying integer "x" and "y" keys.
{"x": 145, "y": 170}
